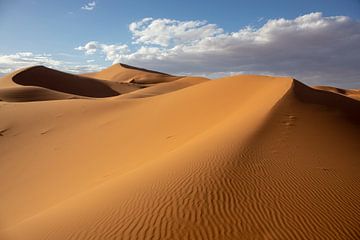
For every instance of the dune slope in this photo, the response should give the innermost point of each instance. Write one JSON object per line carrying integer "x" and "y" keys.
{"x": 40, "y": 83}
{"x": 30, "y": 93}
{"x": 244, "y": 157}
{"x": 353, "y": 93}
{"x": 63, "y": 82}
{"x": 125, "y": 73}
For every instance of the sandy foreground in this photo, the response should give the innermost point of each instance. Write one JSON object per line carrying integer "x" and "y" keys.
{"x": 129, "y": 153}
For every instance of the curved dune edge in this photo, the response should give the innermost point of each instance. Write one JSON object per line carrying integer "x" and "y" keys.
{"x": 129, "y": 74}
{"x": 352, "y": 93}
{"x": 243, "y": 157}
{"x": 63, "y": 82}
{"x": 39, "y": 83}
{"x": 30, "y": 94}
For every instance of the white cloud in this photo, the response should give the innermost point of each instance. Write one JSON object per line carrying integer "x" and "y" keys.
{"x": 12, "y": 62}
{"x": 89, "y": 48}
{"x": 310, "y": 47}
{"x": 165, "y": 32}
{"x": 112, "y": 51}
{"x": 89, "y": 6}
{"x": 82, "y": 68}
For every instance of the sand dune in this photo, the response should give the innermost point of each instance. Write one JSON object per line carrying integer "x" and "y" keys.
{"x": 28, "y": 94}
{"x": 353, "y": 93}
{"x": 40, "y": 83}
{"x": 62, "y": 82}
{"x": 243, "y": 157}
{"x": 126, "y": 73}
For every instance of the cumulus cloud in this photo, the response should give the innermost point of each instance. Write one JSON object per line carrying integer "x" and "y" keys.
{"x": 164, "y": 32}
{"x": 82, "y": 68}
{"x": 89, "y": 6}
{"x": 112, "y": 52}
{"x": 311, "y": 47}
{"x": 12, "y": 62}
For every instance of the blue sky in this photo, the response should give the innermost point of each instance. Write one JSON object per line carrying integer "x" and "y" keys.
{"x": 53, "y": 29}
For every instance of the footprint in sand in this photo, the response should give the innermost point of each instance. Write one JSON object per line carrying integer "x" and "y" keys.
{"x": 290, "y": 120}
{"x": 45, "y": 131}
{"x": 2, "y": 132}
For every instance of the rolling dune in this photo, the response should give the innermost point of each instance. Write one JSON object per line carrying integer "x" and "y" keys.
{"x": 125, "y": 73}
{"x": 40, "y": 83}
{"x": 30, "y": 93}
{"x": 62, "y": 82}
{"x": 353, "y": 93}
{"x": 243, "y": 157}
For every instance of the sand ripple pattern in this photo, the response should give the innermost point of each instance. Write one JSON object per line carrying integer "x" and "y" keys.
{"x": 277, "y": 184}
{"x": 252, "y": 191}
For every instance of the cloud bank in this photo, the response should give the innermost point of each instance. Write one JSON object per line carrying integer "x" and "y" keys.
{"x": 312, "y": 47}
{"x": 11, "y": 62}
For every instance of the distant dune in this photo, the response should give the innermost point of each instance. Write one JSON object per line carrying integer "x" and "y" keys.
{"x": 353, "y": 93}
{"x": 130, "y": 153}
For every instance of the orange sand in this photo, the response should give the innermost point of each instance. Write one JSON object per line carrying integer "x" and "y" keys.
{"x": 128, "y": 153}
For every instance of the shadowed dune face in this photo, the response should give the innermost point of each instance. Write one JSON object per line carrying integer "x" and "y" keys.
{"x": 243, "y": 157}
{"x": 63, "y": 82}
{"x": 347, "y": 105}
{"x": 353, "y": 93}
{"x": 41, "y": 84}
{"x": 142, "y": 69}
{"x": 30, "y": 93}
